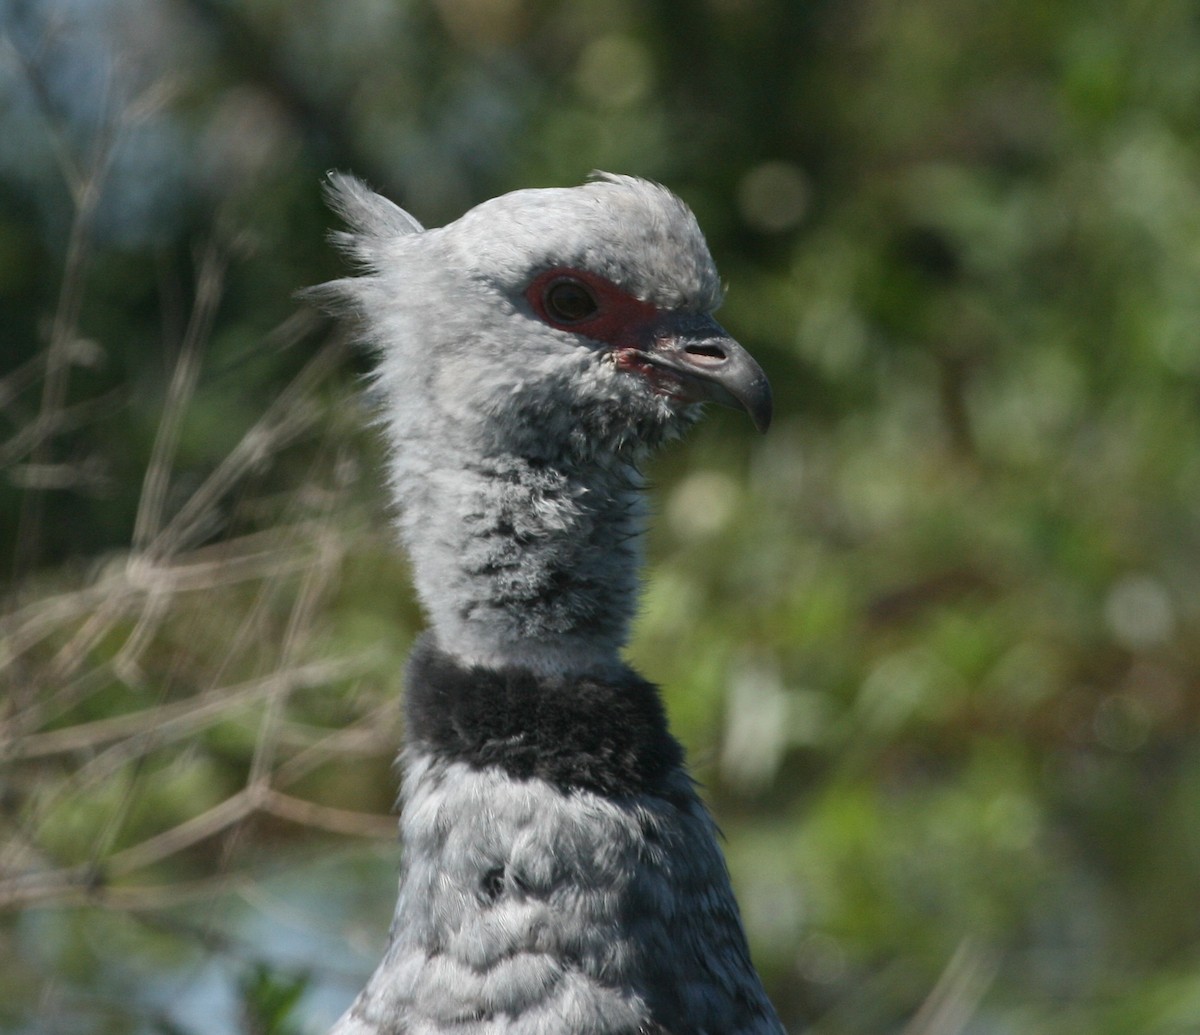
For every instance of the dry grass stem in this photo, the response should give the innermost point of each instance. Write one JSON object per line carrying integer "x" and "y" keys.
{"x": 182, "y": 718}
{"x": 325, "y": 817}
{"x": 179, "y": 392}
{"x": 952, "y": 1002}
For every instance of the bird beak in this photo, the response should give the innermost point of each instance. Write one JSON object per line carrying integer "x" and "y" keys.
{"x": 710, "y": 366}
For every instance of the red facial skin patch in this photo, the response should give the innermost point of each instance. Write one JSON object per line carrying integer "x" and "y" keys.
{"x": 629, "y": 326}
{"x": 618, "y": 317}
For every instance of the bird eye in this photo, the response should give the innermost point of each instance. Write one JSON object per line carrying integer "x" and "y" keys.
{"x": 569, "y": 301}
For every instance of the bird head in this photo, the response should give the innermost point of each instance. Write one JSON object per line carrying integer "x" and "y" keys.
{"x": 563, "y": 320}
{"x": 527, "y": 355}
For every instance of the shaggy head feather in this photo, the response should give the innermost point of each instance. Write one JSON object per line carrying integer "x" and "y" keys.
{"x": 515, "y": 435}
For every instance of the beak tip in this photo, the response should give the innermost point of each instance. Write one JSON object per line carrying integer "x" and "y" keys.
{"x": 714, "y": 368}
{"x": 759, "y": 406}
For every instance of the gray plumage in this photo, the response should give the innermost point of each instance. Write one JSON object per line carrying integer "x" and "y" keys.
{"x": 516, "y": 412}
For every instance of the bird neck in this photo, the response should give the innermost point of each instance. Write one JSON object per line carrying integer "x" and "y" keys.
{"x": 523, "y": 561}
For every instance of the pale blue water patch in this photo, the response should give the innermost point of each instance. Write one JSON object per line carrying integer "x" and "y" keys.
{"x": 324, "y": 917}
{"x": 321, "y": 915}
{"x": 328, "y": 918}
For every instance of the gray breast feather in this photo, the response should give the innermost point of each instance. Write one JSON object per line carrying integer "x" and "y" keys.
{"x": 530, "y": 911}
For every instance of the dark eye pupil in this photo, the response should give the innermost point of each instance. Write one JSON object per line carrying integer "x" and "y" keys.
{"x": 569, "y": 301}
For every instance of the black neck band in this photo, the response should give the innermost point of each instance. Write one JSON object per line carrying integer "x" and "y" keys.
{"x": 606, "y": 737}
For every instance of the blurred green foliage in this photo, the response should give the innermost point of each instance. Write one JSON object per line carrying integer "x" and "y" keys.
{"x": 932, "y": 643}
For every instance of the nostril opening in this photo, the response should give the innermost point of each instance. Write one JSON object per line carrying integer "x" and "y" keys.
{"x": 706, "y": 351}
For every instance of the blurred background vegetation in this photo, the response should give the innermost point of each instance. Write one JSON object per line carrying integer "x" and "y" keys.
{"x": 932, "y": 643}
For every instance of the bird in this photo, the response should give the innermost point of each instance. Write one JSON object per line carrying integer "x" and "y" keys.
{"x": 560, "y": 874}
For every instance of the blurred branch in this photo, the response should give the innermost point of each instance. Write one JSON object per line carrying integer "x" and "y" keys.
{"x": 952, "y": 1003}
{"x": 16, "y": 381}
{"x": 72, "y": 172}
{"x": 316, "y": 579}
{"x": 170, "y": 721}
{"x": 88, "y": 882}
{"x": 234, "y": 809}
{"x": 369, "y": 735}
{"x": 80, "y": 886}
{"x": 324, "y": 817}
{"x": 284, "y": 419}
{"x": 209, "y": 282}
{"x": 33, "y": 437}
{"x": 86, "y": 183}
{"x": 245, "y": 559}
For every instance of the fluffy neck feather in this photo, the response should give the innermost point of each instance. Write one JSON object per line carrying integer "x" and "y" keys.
{"x": 522, "y": 560}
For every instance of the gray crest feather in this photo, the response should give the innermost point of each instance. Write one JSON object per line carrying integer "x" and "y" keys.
{"x": 365, "y": 211}
{"x": 374, "y": 224}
